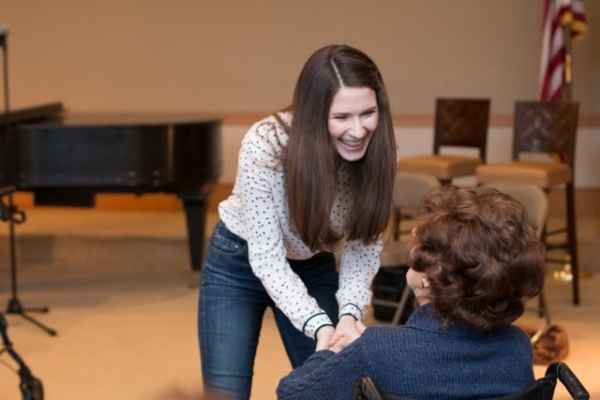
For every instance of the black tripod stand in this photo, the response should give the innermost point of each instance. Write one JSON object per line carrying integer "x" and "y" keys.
{"x": 31, "y": 387}
{"x": 10, "y": 213}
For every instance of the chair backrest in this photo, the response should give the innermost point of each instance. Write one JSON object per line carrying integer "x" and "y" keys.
{"x": 410, "y": 187}
{"x": 545, "y": 127}
{"x": 542, "y": 389}
{"x": 535, "y": 201}
{"x": 462, "y": 123}
{"x": 533, "y": 198}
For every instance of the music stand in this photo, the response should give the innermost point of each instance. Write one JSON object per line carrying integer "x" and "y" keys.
{"x": 9, "y": 212}
{"x": 31, "y": 387}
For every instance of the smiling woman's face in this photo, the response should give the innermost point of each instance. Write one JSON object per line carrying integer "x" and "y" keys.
{"x": 353, "y": 118}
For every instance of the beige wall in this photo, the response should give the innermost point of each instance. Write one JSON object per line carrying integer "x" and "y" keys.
{"x": 233, "y": 57}
{"x": 227, "y": 56}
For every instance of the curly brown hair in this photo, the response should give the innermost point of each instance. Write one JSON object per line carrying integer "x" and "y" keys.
{"x": 482, "y": 259}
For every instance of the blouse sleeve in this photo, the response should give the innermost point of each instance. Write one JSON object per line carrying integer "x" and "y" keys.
{"x": 260, "y": 186}
{"x": 359, "y": 264}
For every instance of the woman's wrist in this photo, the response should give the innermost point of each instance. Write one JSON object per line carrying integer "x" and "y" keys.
{"x": 351, "y": 309}
{"x": 346, "y": 315}
{"x": 320, "y": 329}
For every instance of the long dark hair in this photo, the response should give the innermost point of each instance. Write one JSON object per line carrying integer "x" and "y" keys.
{"x": 312, "y": 161}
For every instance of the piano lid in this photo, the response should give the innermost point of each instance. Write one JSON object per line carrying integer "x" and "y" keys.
{"x": 55, "y": 114}
{"x": 35, "y": 113}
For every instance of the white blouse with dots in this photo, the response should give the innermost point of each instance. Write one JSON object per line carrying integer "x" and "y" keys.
{"x": 257, "y": 211}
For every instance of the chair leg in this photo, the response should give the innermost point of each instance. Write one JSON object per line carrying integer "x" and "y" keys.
{"x": 572, "y": 239}
{"x": 401, "y": 305}
{"x": 397, "y": 217}
{"x": 543, "y": 310}
{"x": 570, "y": 244}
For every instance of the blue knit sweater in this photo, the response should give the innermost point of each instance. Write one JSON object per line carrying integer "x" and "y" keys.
{"x": 419, "y": 360}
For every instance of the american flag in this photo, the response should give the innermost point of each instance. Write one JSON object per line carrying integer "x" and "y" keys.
{"x": 558, "y": 14}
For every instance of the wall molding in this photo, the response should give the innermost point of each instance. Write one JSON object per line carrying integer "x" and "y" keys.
{"x": 587, "y": 201}
{"x": 404, "y": 120}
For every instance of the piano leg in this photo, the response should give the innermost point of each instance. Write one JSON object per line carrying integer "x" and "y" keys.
{"x": 195, "y": 213}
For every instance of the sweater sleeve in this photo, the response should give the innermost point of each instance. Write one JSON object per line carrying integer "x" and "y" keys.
{"x": 326, "y": 375}
{"x": 260, "y": 185}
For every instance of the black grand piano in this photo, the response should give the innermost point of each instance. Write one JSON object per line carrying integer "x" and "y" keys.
{"x": 66, "y": 158}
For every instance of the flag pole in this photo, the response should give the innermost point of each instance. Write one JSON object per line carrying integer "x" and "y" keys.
{"x": 567, "y": 85}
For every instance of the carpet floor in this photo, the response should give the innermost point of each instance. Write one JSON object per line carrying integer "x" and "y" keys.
{"x": 123, "y": 302}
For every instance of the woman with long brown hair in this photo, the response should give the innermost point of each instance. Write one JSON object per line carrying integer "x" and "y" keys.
{"x": 310, "y": 179}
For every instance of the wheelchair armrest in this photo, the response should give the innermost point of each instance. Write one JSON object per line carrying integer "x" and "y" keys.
{"x": 569, "y": 380}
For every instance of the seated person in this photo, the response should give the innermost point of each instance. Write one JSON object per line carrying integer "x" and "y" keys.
{"x": 475, "y": 262}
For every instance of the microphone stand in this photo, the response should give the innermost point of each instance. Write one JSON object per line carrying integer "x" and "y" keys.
{"x": 9, "y": 212}
{"x": 31, "y": 387}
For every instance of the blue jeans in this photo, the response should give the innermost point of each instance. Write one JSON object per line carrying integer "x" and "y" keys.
{"x": 231, "y": 306}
